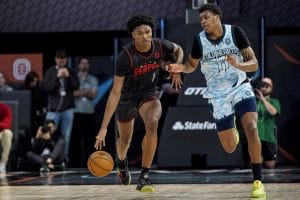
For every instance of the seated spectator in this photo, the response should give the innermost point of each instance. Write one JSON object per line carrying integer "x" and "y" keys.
{"x": 5, "y": 135}
{"x": 268, "y": 108}
{"x": 3, "y": 86}
{"x": 47, "y": 154}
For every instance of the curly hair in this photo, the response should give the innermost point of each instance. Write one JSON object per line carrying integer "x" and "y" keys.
{"x": 139, "y": 20}
{"x": 211, "y": 7}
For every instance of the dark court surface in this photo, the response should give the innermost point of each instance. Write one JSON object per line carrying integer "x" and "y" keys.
{"x": 281, "y": 183}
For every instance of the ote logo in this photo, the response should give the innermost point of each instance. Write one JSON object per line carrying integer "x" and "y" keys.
{"x": 194, "y": 91}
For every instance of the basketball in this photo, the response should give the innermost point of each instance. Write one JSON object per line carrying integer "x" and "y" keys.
{"x": 100, "y": 163}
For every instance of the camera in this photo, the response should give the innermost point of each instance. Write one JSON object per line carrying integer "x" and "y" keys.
{"x": 45, "y": 130}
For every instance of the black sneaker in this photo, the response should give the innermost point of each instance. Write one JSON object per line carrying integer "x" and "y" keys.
{"x": 60, "y": 167}
{"x": 44, "y": 169}
{"x": 124, "y": 174}
{"x": 144, "y": 184}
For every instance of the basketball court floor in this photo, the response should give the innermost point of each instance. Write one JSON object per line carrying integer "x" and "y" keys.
{"x": 220, "y": 184}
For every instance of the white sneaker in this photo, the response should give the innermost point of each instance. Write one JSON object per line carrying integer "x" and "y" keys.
{"x": 2, "y": 168}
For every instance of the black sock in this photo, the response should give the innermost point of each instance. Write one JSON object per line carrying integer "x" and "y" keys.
{"x": 256, "y": 171}
{"x": 145, "y": 170}
{"x": 122, "y": 163}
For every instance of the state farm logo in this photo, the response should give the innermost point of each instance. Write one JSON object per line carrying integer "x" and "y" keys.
{"x": 21, "y": 67}
{"x": 178, "y": 126}
{"x": 194, "y": 91}
{"x": 189, "y": 125}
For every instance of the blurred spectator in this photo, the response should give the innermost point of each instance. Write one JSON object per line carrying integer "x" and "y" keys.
{"x": 87, "y": 90}
{"x": 3, "y": 86}
{"x": 84, "y": 131}
{"x": 46, "y": 154}
{"x": 268, "y": 108}
{"x": 38, "y": 99}
{"x": 5, "y": 135}
{"x": 60, "y": 83}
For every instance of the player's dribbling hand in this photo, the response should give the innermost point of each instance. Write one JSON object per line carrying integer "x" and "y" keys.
{"x": 174, "y": 68}
{"x": 232, "y": 60}
{"x": 100, "y": 139}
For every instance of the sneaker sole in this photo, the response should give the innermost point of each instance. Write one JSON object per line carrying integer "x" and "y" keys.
{"x": 264, "y": 196}
{"x": 147, "y": 188}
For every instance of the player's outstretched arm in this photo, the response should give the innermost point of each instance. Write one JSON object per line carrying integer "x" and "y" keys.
{"x": 110, "y": 108}
{"x": 176, "y": 80}
{"x": 190, "y": 65}
{"x": 178, "y": 52}
{"x": 250, "y": 63}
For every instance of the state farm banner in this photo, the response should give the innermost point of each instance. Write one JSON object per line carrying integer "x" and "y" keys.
{"x": 189, "y": 139}
{"x": 192, "y": 90}
{"x": 16, "y": 66}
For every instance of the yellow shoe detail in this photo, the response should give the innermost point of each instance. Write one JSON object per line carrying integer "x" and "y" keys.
{"x": 148, "y": 188}
{"x": 258, "y": 190}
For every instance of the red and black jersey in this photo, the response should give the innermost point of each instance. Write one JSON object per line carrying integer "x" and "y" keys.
{"x": 141, "y": 69}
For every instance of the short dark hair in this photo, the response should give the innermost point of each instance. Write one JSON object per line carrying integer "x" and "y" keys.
{"x": 82, "y": 58}
{"x": 139, "y": 20}
{"x": 61, "y": 53}
{"x": 211, "y": 7}
{"x": 49, "y": 121}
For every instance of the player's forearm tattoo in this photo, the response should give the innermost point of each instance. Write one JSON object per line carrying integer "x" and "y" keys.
{"x": 247, "y": 54}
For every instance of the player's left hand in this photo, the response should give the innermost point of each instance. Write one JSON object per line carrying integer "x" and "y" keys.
{"x": 176, "y": 81}
{"x": 232, "y": 60}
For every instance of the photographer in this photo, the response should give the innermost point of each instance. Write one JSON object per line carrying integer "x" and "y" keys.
{"x": 268, "y": 108}
{"x": 60, "y": 82}
{"x": 46, "y": 154}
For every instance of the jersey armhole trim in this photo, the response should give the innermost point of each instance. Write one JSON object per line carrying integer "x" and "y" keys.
{"x": 234, "y": 37}
{"x": 200, "y": 45}
{"x": 161, "y": 49}
{"x": 128, "y": 56}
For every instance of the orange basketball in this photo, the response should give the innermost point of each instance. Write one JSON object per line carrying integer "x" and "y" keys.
{"x": 100, "y": 163}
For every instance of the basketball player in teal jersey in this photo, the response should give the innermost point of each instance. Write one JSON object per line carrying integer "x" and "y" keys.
{"x": 225, "y": 55}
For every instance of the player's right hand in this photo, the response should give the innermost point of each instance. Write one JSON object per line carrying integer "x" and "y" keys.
{"x": 174, "y": 68}
{"x": 100, "y": 139}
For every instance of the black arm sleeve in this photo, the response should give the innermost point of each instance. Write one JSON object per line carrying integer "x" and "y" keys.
{"x": 240, "y": 38}
{"x": 123, "y": 63}
{"x": 196, "y": 52}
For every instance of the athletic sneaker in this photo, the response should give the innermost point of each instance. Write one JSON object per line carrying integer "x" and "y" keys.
{"x": 124, "y": 174}
{"x": 44, "y": 169}
{"x": 144, "y": 184}
{"x": 258, "y": 190}
{"x": 2, "y": 168}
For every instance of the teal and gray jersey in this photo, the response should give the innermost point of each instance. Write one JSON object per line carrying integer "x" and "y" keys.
{"x": 221, "y": 77}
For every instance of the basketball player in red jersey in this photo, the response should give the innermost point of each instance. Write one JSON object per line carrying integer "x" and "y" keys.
{"x": 135, "y": 92}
